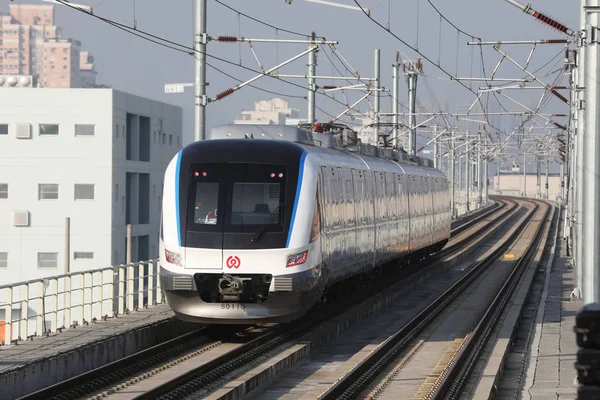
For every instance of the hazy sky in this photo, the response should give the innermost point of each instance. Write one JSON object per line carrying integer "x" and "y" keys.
{"x": 134, "y": 65}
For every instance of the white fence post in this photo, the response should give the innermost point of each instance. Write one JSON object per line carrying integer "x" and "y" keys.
{"x": 140, "y": 284}
{"x": 63, "y": 300}
{"x": 8, "y": 317}
{"x": 130, "y": 286}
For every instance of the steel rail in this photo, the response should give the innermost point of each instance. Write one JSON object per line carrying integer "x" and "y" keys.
{"x": 456, "y": 373}
{"x": 353, "y": 383}
{"x": 215, "y": 369}
{"x": 113, "y": 372}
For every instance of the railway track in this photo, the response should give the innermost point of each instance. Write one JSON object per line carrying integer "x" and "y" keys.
{"x": 216, "y": 356}
{"x": 374, "y": 376}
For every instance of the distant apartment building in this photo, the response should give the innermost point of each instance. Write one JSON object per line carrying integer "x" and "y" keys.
{"x": 270, "y": 112}
{"x": 96, "y": 156}
{"x": 31, "y": 44}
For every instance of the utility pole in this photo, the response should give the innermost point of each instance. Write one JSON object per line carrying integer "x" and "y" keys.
{"x": 200, "y": 40}
{"x": 591, "y": 146}
{"x": 376, "y": 105}
{"x": 395, "y": 101}
{"x": 412, "y": 69}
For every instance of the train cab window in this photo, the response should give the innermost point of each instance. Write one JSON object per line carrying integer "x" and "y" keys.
{"x": 254, "y": 202}
{"x": 206, "y": 205}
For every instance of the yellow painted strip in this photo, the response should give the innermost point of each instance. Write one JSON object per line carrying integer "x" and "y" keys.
{"x": 511, "y": 256}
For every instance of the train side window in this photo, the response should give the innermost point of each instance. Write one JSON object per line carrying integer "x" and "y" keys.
{"x": 315, "y": 230}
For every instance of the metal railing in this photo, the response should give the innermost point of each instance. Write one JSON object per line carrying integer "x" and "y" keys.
{"x": 41, "y": 306}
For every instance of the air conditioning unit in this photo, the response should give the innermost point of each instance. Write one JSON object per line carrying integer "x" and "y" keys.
{"x": 23, "y": 131}
{"x": 21, "y": 218}
{"x": 16, "y": 81}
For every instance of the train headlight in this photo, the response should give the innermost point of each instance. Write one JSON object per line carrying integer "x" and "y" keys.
{"x": 173, "y": 258}
{"x": 297, "y": 259}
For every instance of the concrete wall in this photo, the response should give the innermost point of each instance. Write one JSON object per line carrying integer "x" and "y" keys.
{"x": 98, "y": 225}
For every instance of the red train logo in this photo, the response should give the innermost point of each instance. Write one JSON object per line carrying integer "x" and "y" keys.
{"x": 233, "y": 262}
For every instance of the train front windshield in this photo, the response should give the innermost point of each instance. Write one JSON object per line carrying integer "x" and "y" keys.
{"x": 237, "y": 198}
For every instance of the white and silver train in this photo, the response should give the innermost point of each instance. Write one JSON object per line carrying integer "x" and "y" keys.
{"x": 258, "y": 221}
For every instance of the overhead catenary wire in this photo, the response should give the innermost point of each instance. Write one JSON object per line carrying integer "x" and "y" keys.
{"x": 191, "y": 51}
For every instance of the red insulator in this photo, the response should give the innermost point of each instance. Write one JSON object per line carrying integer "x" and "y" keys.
{"x": 224, "y": 94}
{"x": 553, "y": 23}
{"x": 559, "y": 126}
{"x": 557, "y": 41}
{"x": 560, "y": 96}
{"x": 227, "y": 39}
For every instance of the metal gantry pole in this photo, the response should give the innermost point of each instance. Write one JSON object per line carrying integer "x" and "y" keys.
{"x": 591, "y": 149}
{"x": 436, "y": 151}
{"x": 376, "y": 104}
{"x": 412, "y": 98}
{"x": 485, "y": 181}
{"x": 478, "y": 169}
{"x": 579, "y": 212}
{"x": 562, "y": 183}
{"x": 395, "y": 101}
{"x": 524, "y": 174}
{"x": 200, "y": 40}
{"x": 539, "y": 179}
{"x": 312, "y": 84}
{"x": 547, "y": 185}
{"x": 468, "y": 169}
{"x": 452, "y": 174}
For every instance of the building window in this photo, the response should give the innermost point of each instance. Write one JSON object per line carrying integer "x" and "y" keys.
{"x": 48, "y": 129}
{"x": 170, "y": 140}
{"x": 84, "y": 130}
{"x": 84, "y": 191}
{"x": 47, "y": 260}
{"x": 3, "y": 129}
{"x": 117, "y": 131}
{"x": 80, "y": 255}
{"x": 3, "y": 260}
{"x": 3, "y": 190}
{"x": 47, "y": 191}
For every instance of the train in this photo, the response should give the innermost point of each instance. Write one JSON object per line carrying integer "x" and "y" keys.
{"x": 258, "y": 221}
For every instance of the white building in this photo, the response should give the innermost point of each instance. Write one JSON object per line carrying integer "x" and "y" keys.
{"x": 97, "y": 156}
{"x": 270, "y": 112}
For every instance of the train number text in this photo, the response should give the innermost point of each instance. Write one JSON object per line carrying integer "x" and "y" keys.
{"x": 233, "y": 306}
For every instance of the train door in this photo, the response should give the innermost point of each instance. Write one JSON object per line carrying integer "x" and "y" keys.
{"x": 364, "y": 235}
{"x": 392, "y": 212}
{"x": 371, "y": 199}
{"x": 343, "y": 215}
{"x": 327, "y": 215}
{"x": 337, "y": 214}
{"x": 406, "y": 186}
{"x": 381, "y": 215}
{"x": 350, "y": 220}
